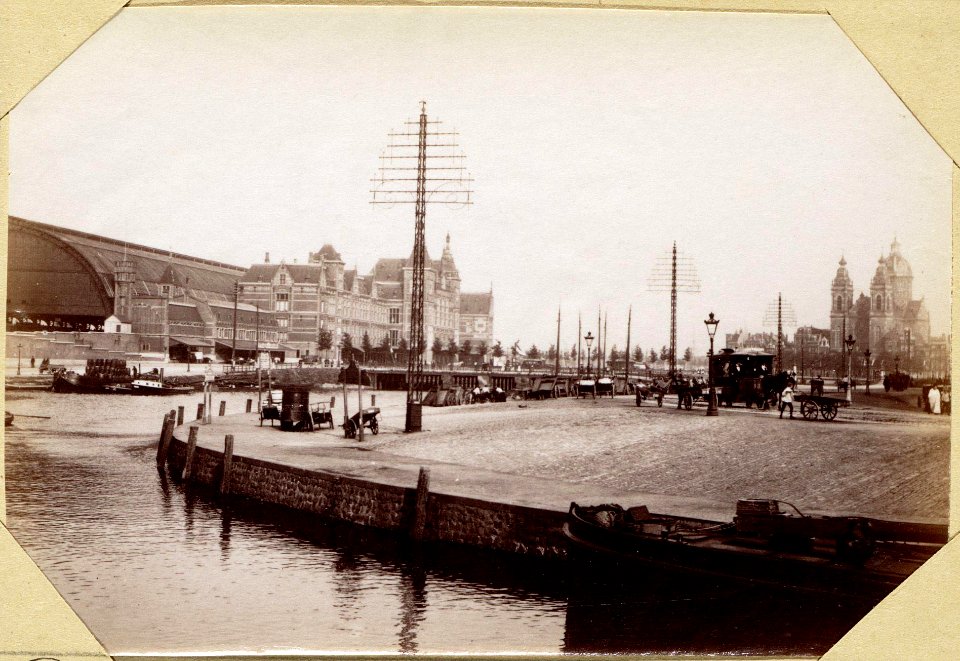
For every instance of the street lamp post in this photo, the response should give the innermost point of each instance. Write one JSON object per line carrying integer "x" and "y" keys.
{"x": 866, "y": 354}
{"x": 588, "y": 338}
{"x": 711, "y": 323}
{"x": 849, "y": 342}
{"x": 896, "y": 363}
{"x": 19, "y": 346}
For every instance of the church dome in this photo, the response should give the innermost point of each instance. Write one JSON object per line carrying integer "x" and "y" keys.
{"x": 897, "y": 265}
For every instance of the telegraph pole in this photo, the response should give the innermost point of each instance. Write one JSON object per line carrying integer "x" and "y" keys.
{"x": 233, "y": 345}
{"x": 626, "y": 362}
{"x": 556, "y": 357}
{"x": 780, "y": 313}
{"x": 420, "y": 166}
{"x": 675, "y": 273}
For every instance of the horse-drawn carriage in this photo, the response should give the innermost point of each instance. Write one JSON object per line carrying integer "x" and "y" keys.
{"x": 747, "y": 376}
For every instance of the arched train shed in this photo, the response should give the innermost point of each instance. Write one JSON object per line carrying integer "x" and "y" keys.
{"x": 63, "y": 279}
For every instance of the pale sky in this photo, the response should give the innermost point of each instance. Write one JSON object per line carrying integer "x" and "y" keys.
{"x": 764, "y": 144}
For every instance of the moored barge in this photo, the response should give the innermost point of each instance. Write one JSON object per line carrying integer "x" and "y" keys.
{"x": 769, "y": 542}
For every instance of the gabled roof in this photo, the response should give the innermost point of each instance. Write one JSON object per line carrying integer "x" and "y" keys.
{"x": 301, "y": 273}
{"x": 328, "y": 253}
{"x": 915, "y": 310}
{"x": 388, "y": 270}
{"x": 476, "y": 303}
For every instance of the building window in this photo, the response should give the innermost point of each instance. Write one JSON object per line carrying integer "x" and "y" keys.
{"x": 394, "y": 315}
{"x": 283, "y": 278}
{"x": 283, "y": 323}
{"x": 282, "y": 302}
{"x": 394, "y": 336}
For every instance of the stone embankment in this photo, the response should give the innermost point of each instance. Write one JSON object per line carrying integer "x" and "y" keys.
{"x": 502, "y": 476}
{"x": 380, "y": 503}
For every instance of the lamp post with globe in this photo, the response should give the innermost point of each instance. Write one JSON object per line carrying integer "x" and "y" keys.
{"x": 849, "y": 342}
{"x": 588, "y": 338}
{"x": 711, "y": 324}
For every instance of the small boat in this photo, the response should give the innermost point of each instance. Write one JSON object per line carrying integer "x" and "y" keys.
{"x": 71, "y": 382}
{"x": 148, "y": 387}
{"x": 769, "y": 542}
{"x": 7, "y": 418}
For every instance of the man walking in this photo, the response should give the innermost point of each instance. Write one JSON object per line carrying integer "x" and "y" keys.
{"x": 786, "y": 399}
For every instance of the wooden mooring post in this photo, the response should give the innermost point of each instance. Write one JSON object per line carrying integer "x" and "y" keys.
{"x": 420, "y": 511}
{"x": 179, "y": 416}
{"x": 200, "y": 411}
{"x": 227, "y": 464}
{"x": 191, "y": 451}
{"x": 223, "y": 407}
{"x": 163, "y": 445}
{"x": 249, "y": 405}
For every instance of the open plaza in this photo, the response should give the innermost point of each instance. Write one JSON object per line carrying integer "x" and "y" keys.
{"x": 872, "y": 459}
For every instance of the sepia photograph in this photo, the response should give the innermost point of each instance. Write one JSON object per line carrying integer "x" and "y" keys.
{"x": 475, "y": 330}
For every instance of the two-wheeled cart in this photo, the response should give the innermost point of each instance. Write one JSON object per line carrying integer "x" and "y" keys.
{"x": 352, "y": 426}
{"x": 812, "y": 406}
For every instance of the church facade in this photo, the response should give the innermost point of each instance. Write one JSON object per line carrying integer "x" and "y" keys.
{"x": 889, "y": 322}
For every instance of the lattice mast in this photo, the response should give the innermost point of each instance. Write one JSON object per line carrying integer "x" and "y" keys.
{"x": 779, "y": 313}
{"x": 674, "y": 273}
{"x": 427, "y": 171}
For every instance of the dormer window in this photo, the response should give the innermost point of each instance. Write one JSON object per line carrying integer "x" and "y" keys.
{"x": 283, "y": 278}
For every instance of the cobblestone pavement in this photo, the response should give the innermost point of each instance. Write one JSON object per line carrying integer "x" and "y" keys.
{"x": 867, "y": 460}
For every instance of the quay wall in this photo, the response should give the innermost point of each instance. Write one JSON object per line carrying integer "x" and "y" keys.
{"x": 449, "y": 518}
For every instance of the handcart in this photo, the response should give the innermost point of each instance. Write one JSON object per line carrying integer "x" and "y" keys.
{"x": 813, "y": 405}
{"x": 352, "y": 426}
{"x": 321, "y": 415}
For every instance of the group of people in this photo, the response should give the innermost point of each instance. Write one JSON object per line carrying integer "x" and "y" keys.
{"x": 937, "y": 399}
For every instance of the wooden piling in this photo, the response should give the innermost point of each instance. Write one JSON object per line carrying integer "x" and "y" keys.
{"x": 373, "y": 400}
{"x": 249, "y": 405}
{"x": 191, "y": 451}
{"x": 227, "y": 464}
{"x": 223, "y": 407}
{"x": 420, "y": 513}
{"x": 179, "y": 416}
{"x": 163, "y": 446}
{"x": 200, "y": 411}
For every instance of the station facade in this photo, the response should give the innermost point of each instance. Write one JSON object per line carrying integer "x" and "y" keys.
{"x": 76, "y": 294}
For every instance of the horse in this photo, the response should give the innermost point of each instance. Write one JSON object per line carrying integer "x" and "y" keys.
{"x": 771, "y": 385}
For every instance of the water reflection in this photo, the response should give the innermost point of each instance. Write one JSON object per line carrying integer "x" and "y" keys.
{"x": 226, "y": 520}
{"x": 82, "y": 499}
{"x": 413, "y": 604}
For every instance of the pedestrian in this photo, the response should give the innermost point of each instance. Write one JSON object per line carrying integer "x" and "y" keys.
{"x": 934, "y": 397}
{"x": 786, "y": 399}
{"x": 33, "y": 361}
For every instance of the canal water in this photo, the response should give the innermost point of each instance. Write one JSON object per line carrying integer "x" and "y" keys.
{"x": 153, "y": 567}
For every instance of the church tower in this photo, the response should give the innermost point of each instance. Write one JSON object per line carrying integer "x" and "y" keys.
{"x": 841, "y": 294}
{"x": 881, "y": 304}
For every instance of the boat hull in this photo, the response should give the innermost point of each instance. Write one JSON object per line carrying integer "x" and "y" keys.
{"x": 725, "y": 556}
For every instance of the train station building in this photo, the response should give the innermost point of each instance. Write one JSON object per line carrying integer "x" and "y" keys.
{"x": 72, "y": 294}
